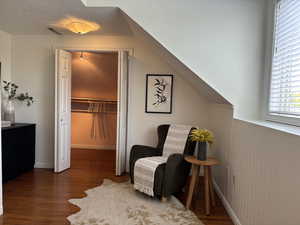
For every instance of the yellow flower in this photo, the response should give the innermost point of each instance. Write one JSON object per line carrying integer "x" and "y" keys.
{"x": 202, "y": 135}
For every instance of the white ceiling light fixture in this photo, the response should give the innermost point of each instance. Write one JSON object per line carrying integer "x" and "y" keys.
{"x": 77, "y": 25}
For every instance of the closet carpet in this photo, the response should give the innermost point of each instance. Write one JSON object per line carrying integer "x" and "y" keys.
{"x": 40, "y": 197}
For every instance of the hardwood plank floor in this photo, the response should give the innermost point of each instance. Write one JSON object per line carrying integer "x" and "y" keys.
{"x": 40, "y": 197}
{"x": 218, "y": 215}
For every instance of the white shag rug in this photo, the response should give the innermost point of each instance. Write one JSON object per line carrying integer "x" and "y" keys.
{"x": 119, "y": 204}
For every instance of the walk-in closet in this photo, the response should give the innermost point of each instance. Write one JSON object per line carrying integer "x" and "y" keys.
{"x": 94, "y": 107}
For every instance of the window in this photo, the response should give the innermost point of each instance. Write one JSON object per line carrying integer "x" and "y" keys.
{"x": 284, "y": 98}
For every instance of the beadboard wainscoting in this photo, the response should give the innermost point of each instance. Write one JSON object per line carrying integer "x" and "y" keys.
{"x": 258, "y": 172}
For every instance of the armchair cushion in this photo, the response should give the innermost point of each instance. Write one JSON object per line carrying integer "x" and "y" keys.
{"x": 144, "y": 173}
{"x": 138, "y": 152}
{"x": 175, "y": 174}
{"x": 170, "y": 176}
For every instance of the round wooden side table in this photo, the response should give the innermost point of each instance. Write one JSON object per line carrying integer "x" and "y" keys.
{"x": 208, "y": 185}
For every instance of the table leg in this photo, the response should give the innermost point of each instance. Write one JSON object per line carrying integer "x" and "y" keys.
{"x": 211, "y": 188}
{"x": 195, "y": 172}
{"x": 206, "y": 184}
{"x": 198, "y": 185}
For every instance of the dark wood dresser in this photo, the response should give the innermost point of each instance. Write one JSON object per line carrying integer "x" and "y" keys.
{"x": 18, "y": 150}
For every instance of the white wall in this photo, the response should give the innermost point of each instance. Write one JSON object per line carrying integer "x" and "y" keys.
{"x": 221, "y": 41}
{"x": 5, "y": 59}
{"x": 5, "y": 55}
{"x": 33, "y": 70}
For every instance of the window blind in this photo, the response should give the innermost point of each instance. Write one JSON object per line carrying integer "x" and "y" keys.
{"x": 285, "y": 77}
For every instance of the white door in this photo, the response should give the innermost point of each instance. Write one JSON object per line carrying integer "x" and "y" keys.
{"x": 62, "y": 110}
{"x": 121, "y": 144}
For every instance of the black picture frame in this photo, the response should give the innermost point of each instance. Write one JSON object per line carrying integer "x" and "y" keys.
{"x": 149, "y": 106}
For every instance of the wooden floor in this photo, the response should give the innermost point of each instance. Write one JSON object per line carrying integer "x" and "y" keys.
{"x": 40, "y": 197}
{"x": 218, "y": 215}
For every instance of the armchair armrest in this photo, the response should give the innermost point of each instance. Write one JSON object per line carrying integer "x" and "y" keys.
{"x": 176, "y": 174}
{"x": 141, "y": 151}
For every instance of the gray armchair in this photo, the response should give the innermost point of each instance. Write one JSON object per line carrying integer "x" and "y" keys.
{"x": 171, "y": 176}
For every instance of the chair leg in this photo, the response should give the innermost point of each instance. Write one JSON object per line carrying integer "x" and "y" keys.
{"x": 164, "y": 199}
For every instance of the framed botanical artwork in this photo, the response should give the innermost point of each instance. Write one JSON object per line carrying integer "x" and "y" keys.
{"x": 159, "y": 93}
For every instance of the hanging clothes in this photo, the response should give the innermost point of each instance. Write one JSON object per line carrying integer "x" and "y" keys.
{"x": 98, "y": 119}
{"x": 92, "y": 109}
{"x": 102, "y": 119}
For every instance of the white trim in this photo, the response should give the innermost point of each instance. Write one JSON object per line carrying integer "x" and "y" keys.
{"x": 55, "y": 112}
{"x": 95, "y": 147}
{"x": 122, "y": 121}
{"x": 43, "y": 165}
{"x": 270, "y": 43}
{"x": 269, "y": 51}
{"x": 269, "y": 60}
{"x": 98, "y": 49}
{"x": 290, "y": 129}
{"x": 226, "y": 204}
{"x": 284, "y": 119}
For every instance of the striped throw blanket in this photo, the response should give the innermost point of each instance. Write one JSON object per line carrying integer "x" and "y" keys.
{"x": 144, "y": 169}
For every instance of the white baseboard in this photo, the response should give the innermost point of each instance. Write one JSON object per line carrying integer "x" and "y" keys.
{"x": 226, "y": 204}
{"x": 43, "y": 165}
{"x": 96, "y": 147}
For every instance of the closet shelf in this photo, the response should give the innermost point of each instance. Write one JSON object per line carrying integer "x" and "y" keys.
{"x": 93, "y": 105}
{"x": 73, "y": 99}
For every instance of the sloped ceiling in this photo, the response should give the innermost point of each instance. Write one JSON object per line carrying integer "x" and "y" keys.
{"x": 222, "y": 42}
{"x": 195, "y": 81}
{"x": 32, "y": 17}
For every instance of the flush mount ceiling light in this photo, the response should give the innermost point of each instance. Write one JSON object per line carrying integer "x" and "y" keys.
{"x": 77, "y": 25}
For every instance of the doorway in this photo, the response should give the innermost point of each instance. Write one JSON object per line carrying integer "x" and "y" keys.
{"x": 94, "y": 93}
{"x": 91, "y": 105}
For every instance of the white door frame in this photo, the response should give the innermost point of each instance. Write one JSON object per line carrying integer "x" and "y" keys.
{"x": 117, "y": 50}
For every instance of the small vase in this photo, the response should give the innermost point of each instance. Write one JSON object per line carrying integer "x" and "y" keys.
{"x": 202, "y": 150}
{"x": 9, "y": 113}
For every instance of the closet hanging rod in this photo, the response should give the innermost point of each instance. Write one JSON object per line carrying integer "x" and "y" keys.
{"x": 92, "y": 100}
{"x": 86, "y": 111}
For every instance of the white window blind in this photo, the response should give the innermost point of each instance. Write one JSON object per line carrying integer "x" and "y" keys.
{"x": 285, "y": 79}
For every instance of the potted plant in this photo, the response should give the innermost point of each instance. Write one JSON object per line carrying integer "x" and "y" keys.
{"x": 10, "y": 89}
{"x": 203, "y": 138}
